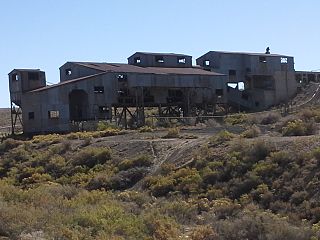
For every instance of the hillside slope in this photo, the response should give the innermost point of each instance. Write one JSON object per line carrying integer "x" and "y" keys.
{"x": 249, "y": 177}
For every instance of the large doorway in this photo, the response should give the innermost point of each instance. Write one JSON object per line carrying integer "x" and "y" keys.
{"x": 78, "y": 105}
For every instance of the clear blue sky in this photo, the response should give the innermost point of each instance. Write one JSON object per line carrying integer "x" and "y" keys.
{"x": 46, "y": 33}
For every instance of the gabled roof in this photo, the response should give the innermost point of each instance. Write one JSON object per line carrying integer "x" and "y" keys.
{"x": 161, "y": 54}
{"x": 128, "y": 68}
{"x": 67, "y": 82}
{"x": 106, "y": 68}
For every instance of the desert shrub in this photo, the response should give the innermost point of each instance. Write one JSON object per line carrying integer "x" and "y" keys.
{"x": 37, "y": 178}
{"x": 47, "y": 139}
{"x": 210, "y": 176}
{"x": 299, "y": 128}
{"x": 151, "y": 122}
{"x": 221, "y": 137}
{"x": 140, "y": 198}
{"x": 140, "y": 161}
{"x": 298, "y": 197}
{"x": 91, "y": 156}
{"x": 56, "y": 165}
{"x": 310, "y": 113}
{"x": 126, "y": 179}
{"x": 236, "y": 119}
{"x": 225, "y": 207}
{"x": 259, "y": 150}
{"x": 9, "y": 144}
{"x": 280, "y": 157}
{"x": 188, "y": 180}
{"x": 161, "y": 227}
{"x": 145, "y": 129}
{"x": 203, "y": 232}
{"x": 251, "y": 132}
{"x": 183, "y": 212}
{"x": 160, "y": 186}
{"x": 254, "y": 224}
{"x": 243, "y": 186}
{"x": 271, "y": 118}
{"x": 264, "y": 168}
{"x": 172, "y": 133}
{"x": 214, "y": 193}
{"x": 103, "y": 125}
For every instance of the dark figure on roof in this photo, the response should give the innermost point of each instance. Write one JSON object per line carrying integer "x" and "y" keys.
{"x": 267, "y": 50}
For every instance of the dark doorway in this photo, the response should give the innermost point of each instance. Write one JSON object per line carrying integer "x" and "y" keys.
{"x": 78, "y": 105}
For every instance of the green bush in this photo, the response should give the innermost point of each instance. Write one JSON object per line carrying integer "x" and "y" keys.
{"x": 140, "y": 161}
{"x": 299, "y": 128}
{"x": 103, "y": 125}
{"x": 172, "y": 133}
{"x": 160, "y": 186}
{"x": 251, "y": 132}
{"x": 91, "y": 156}
{"x": 236, "y": 119}
{"x": 221, "y": 137}
{"x": 9, "y": 144}
{"x": 145, "y": 129}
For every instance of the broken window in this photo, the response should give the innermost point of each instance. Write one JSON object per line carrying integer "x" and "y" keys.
{"x": 103, "y": 109}
{"x": 122, "y": 78}
{"x": 68, "y": 72}
{"x": 232, "y": 72}
{"x": 232, "y": 85}
{"x": 15, "y": 77}
{"x": 31, "y": 115}
{"x": 262, "y": 59}
{"x": 137, "y": 60}
{"x": 98, "y": 89}
{"x": 206, "y": 63}
{"x": 159, "y": 59}
{"x": 33, "y": 75}
{"x": 53, "y": 114}
{"x": 284, "y": 60}
{"x": 298, "y": 78}
{"x": 240, "y": 86}
{"x": 181, "y": 60}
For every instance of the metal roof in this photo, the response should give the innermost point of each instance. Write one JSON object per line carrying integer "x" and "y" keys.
{"x": 161, "y": 54}
{"x": 67, "y": 82}
{"x": 24, "y": 70}
{"x": 128, "y": 68}
{"x": 248, "y": 53}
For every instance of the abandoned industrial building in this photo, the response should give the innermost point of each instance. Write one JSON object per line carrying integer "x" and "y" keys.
{"x": 90, "y": 91}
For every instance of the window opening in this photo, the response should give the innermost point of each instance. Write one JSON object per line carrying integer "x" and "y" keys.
{"x": 159, "y": 59}
{"x": 262, "y": 59}
{"x": 122, "y": 78}
{"x": 103, "y": 109}
{"x": 53, "y": 114}
{"x": 182, "y": 60}
{"x": 137, "y": 60}
{"x": 31, "y": 115}
{"x": 68, "y": 72}
{"x": 284, "y": 60}
{"x": 98, "y": 89}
